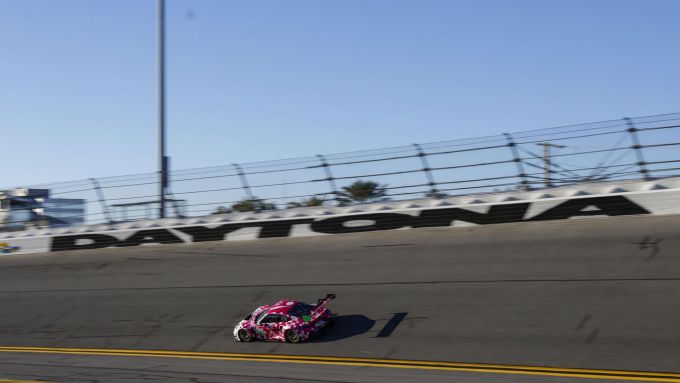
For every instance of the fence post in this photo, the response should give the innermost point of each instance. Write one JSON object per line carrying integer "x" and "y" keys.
{"x": 427, "y": 170}
{"x": 518, "y": 162}
{"x": 244, "y": 181}
{"x": 102, "y": 200}
{"x": 329, "y": 175}
{"x": 632, "y": 130}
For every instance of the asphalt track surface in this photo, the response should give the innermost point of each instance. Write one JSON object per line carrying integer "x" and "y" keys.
{"x": 588, "y": 294}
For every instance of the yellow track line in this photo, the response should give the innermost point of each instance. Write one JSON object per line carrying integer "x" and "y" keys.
{"x": 367, "y": 362}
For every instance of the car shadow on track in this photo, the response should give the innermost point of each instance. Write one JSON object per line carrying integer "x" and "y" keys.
{"x": 345, "y": 326}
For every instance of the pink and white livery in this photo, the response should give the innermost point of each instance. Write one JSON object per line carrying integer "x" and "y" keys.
{"x": 285, "y": 321}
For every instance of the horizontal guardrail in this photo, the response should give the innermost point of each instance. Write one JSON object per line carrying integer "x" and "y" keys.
{"x": 639, "y": 148}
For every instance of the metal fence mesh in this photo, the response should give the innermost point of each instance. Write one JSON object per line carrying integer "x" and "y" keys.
{"x": 642, "y": 147}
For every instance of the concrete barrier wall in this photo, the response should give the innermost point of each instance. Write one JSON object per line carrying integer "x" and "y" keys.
{"x": 657, "y": 197}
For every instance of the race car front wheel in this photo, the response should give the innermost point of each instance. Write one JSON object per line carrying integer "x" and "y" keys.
{"x": 244, "y": 335}
{"x": 292, "y": 336}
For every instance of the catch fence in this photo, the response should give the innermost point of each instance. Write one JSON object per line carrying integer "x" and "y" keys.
{"x": 642, "y": 147}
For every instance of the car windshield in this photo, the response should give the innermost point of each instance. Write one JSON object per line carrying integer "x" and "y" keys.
{"x": 261, "y": 316}
{"x": 300, "y": 309}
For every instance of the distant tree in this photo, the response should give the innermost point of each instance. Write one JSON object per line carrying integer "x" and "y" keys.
{"x": 252, "y": 204}
{"x": 362, "y": 191}
{"x": 309, "y": 202}
{"x": 221, "y": 210}
{"x": 436, "y": 194}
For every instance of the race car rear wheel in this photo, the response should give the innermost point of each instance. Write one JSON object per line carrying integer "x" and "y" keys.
{"x": 292, "y": 336}
{"x": 244, "y": 335}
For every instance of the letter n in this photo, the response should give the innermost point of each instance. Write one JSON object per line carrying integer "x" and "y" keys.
{"x": 504, "y": 213}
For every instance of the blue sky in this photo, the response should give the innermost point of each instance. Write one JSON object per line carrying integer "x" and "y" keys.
{"x": 258, "y": 80}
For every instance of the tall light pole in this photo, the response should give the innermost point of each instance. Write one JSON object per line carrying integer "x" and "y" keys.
{"x": 546, "y": 161}
{"x": 162, "y": 159}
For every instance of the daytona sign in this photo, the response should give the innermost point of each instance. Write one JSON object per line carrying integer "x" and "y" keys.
{"x": 354, "y": 223}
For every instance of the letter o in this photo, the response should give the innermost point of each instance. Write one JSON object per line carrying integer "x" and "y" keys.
{"x": 382, "y": 221}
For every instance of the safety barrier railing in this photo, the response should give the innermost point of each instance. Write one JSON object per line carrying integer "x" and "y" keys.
{"x": 630, "y": 148}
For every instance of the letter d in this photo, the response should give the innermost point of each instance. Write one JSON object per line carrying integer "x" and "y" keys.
{"x": 70, "y": 242}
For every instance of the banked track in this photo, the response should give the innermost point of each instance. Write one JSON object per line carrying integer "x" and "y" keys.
{"x": 599, "y": 294}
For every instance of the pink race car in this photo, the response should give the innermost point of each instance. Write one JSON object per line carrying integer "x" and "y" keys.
{"x": 285, "y": 321}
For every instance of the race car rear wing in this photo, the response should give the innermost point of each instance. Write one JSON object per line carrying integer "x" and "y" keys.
{"x": 323, "y": 301}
